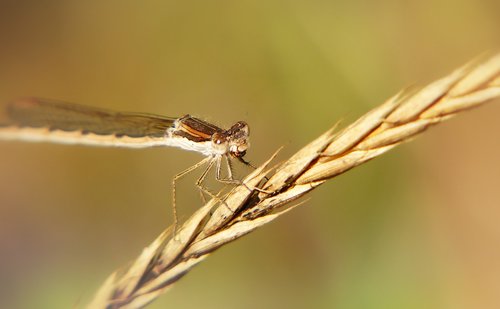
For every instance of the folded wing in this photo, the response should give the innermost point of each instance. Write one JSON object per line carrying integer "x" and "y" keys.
{"x": 33, "y": 119}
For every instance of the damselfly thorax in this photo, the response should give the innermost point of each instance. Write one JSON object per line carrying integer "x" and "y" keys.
{"x": 39, "y": 120}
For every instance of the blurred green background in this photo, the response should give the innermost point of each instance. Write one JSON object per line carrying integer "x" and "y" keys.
{"x": 416, "y": 228}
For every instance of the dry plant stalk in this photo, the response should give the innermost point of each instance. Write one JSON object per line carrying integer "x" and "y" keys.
{"x": 399, "y": 119}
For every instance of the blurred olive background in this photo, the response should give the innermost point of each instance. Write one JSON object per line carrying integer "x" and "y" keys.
{"x": 416, "y": 228}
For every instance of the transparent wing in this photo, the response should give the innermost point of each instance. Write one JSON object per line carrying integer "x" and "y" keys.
{"x": 43, "y": 120}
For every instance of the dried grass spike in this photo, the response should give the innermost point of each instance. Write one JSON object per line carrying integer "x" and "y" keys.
{"x": 398, "y": 120}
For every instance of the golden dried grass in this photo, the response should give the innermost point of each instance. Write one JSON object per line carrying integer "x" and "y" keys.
{"x": 399, "y": 119}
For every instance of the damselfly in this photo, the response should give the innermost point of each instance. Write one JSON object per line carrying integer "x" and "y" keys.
{"x": 33, "y": 119}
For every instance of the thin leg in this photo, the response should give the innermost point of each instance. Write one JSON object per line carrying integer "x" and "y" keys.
{"x": 229, "y": 168}
{"x": 199, "y": 182}
{"x": 218, "y": 162}
{"x": 205, "y": 172}
{"x": 210, "y": 161}
{"x": 202, "y": 188}
{"x": 229, "y": 179}
{"x": 180, "y": 175}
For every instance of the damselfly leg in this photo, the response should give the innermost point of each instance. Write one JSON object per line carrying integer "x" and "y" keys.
{"x": 209, "y": 161}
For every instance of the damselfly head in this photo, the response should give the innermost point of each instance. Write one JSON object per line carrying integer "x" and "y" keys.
{"x": 238, "y": 139}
